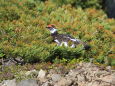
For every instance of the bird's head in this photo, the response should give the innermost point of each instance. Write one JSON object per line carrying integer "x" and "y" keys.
{"x": 52, "y": 28}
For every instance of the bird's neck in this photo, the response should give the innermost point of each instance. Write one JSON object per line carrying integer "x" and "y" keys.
{"x": 53, "y": 30}
{"x": 54, "y": 34}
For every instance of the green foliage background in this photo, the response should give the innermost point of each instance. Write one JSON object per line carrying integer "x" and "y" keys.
{"x": 23, "y": 33}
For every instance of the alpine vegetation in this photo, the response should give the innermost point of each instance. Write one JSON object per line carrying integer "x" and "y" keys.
{"x": 23, "y": 32}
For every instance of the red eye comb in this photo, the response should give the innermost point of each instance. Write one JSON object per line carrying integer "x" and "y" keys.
{"x": 50, "y": 25}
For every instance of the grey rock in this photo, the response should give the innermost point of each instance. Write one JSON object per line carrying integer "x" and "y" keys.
{"x": 81, "y": 78}
{"x": 62, "y": 82}
{"x": 55, "y": 77}
{"x": 83, "y": 75}
{"x": 105, "y": 84}
{"x": 108, "y": 68}
{"x": 8, "y": 83}
{"x": 75, "y": 72}
{"x": 28, "y": 82}
{"x": 72, "y": 73}
{"x": 11, "y": 61}
{"x": 113, "y": 79}
{"x": 46, "y": 84}
{"x": 41, "y": 74}
{"x": 8, "y": 62}
{"x": 96, "y": 83}
{"x": 69, "y": 82}
{"x": 65, "y": 82}
{"x": 35, "y": 72}
{"x": 107, "y": 78}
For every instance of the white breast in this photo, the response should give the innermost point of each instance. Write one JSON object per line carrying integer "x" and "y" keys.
{"x": 53, "y": 30}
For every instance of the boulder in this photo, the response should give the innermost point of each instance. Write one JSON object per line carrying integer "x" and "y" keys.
{"x": 56, "y": 77}
{"x": 28, "y": 82}
{"x": 8, "y": 83}
{"x": 35, "y": 72}
{"x": 42, "y": 75}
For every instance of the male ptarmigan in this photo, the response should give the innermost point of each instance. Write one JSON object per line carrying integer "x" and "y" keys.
{"x": 61, "y": 39}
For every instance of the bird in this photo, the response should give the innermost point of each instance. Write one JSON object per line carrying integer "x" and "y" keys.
{"x": 65, "y": 39}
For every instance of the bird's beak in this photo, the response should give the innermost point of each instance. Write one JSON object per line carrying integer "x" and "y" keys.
{"x": 47, "y": 27}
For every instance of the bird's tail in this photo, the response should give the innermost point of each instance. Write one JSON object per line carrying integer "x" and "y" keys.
{"x": 85, "y": 45}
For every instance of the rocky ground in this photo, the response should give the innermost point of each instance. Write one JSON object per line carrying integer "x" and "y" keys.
{"x": 84, "y": 74}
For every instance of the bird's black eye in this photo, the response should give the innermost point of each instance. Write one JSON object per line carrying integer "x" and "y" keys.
{"x": 47, "y": 27}
{"x": 50, "y": 28}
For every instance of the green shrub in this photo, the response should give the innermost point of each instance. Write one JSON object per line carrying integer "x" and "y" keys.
{"x": 80, "y": 3}
{"x": 68, "y": 53}
{"x": 30, "y": 5}
{"x": 8, "y": 15}
{"x": 1, "y": 53}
